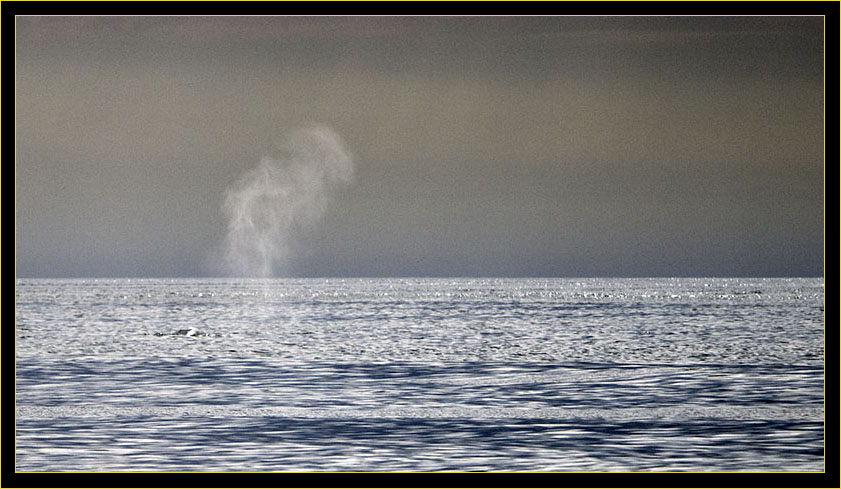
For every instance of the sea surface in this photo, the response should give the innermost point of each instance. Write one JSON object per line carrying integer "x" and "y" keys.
{"x": 594, "y": 375}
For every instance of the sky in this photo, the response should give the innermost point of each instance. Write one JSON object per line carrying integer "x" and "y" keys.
{"x": 476, "y": 146}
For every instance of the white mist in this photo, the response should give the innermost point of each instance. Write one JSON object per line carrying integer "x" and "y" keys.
{"x": 269, "y": 204}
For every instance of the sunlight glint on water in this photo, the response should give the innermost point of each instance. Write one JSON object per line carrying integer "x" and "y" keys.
{"x": 420, "y": 374}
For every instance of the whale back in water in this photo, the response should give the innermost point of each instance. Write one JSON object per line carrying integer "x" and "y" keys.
{"x": 185, "y": 332}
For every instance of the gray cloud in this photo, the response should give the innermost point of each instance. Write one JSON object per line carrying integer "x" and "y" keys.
{"x": 544, "y": 146}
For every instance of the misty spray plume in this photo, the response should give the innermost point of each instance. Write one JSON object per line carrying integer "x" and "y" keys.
{"x": 269, "y": 203}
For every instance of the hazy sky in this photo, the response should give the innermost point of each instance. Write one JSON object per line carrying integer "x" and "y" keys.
{"x": 482, "y": 146}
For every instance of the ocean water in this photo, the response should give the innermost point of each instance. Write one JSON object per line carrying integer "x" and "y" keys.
{"x": 593, "y": 375}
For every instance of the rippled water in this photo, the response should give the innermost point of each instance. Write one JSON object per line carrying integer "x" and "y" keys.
{"x": 420, "y": 374}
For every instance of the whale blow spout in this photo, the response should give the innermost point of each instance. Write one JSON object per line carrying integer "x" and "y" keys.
{"x": 271, "y": 203}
